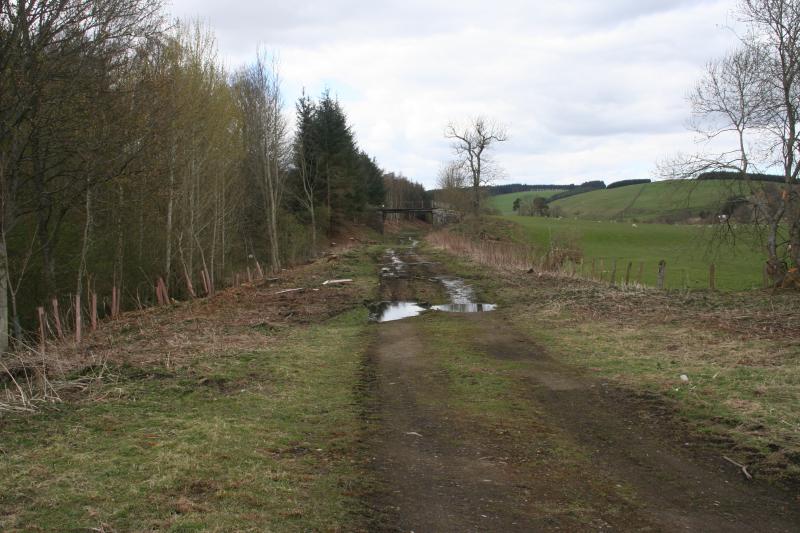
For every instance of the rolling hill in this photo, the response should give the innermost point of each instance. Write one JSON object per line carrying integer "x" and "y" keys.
{"x": 663, "y": 201}
{"x": 504, "y": 202}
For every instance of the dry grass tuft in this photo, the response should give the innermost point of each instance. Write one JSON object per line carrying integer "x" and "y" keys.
{"x": 496, "y": 254}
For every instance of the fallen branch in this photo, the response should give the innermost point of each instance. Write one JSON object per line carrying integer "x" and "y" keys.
{"x": 285, "y": 291}
{"x": 741, "y": 466}
{"x": 337, "y": 281}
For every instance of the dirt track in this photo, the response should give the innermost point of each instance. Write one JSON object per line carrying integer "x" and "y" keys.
{"x": 592, "y": 458}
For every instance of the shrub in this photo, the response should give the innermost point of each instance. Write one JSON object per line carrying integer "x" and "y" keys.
{"x": 725, "y": 175}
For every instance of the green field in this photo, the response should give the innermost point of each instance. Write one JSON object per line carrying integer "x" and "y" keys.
{"x": 687, "y": 250}
{"x": 672, "y": 200}
{"x": 504, "y": 202}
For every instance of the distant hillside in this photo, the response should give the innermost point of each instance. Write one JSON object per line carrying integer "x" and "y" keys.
{"x": 504, "y": 202}
{"x": 663, "y": 201}
{"x": 583, "y": 188}
{"x": 509, "y": 188}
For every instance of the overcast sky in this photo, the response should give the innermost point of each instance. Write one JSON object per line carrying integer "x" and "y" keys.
{"x": 589, "y": 89}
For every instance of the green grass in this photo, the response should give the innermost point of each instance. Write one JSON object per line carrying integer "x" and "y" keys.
{"x": 741, "y": 390}
{"x": 476, "y": 386}
{"x": 662, "y": 201}
{"x": 685, "y": 248}
{"x": 257, "y": 441}
{"x": 504, "y": 203}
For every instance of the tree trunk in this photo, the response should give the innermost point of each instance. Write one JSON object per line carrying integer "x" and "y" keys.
{"x": 170, "y": 207}
{"x": 272, "y": 221}
{"x": 3, "y": 297}
{"x": 476, "y": 185}
{"x": 328, "y": 184}
{"x": 85, "y": 244}
{"x": 119, "y": 255}
{"x": 224, "y": 250}
{"x": 313, "y": 229}
{"x": 214, "y": 227}
{"x": 140, "y": 247}
{"x": 48, "y": 261}
{"x": 794, "y": 242}
{"x": 772, "y": 239}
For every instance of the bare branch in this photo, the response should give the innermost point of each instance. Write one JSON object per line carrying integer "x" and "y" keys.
{"x": 470, "y": 143}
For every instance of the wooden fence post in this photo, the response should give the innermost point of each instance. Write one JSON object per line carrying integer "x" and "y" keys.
{"x": 628, "y": 273}
{"x": 78, "y": 324}
{"x": 602, "y": 269}
{"x": 712, "y": 275}
{"x": 662, "y": 273}
{"x": 594, "y": 269}
{"x": 640, "y": 275}
{"x": 42, "y": 338}
{"x": 57, "y": 319}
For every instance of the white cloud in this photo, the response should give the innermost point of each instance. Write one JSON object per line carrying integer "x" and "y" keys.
{"x": 590, "y": 90}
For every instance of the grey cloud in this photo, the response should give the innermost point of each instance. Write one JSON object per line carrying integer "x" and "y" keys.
{"x": 588, "y": 87}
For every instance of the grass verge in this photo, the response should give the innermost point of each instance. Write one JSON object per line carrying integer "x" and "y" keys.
{"x": 244, "y": 436}
{"x": 741, "y": 393}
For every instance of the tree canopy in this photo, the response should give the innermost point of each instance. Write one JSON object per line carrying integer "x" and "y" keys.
{"x": 129, "y": 152}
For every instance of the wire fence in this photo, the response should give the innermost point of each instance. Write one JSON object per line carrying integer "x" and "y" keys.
{"x": 569, "y": 261}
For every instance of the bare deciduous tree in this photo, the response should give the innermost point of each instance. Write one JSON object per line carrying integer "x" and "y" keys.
{"x": 56, "y": 58}
{"x": 264, "y": 136}
{"x": 453, "y": 186}
{"x": 471, "y": 143}
{"x": 748, "y": 103}
{"x": 306, "y": 163}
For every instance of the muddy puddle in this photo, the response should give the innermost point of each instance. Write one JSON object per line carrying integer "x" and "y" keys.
{"x": 406, "y": 268}
{"x": 390, "y": 311}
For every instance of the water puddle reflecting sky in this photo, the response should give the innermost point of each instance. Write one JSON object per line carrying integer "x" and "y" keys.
{"x": 391, "y": 311}
{"x": 465, "y": 308}
{"x": 462, "y": 296}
